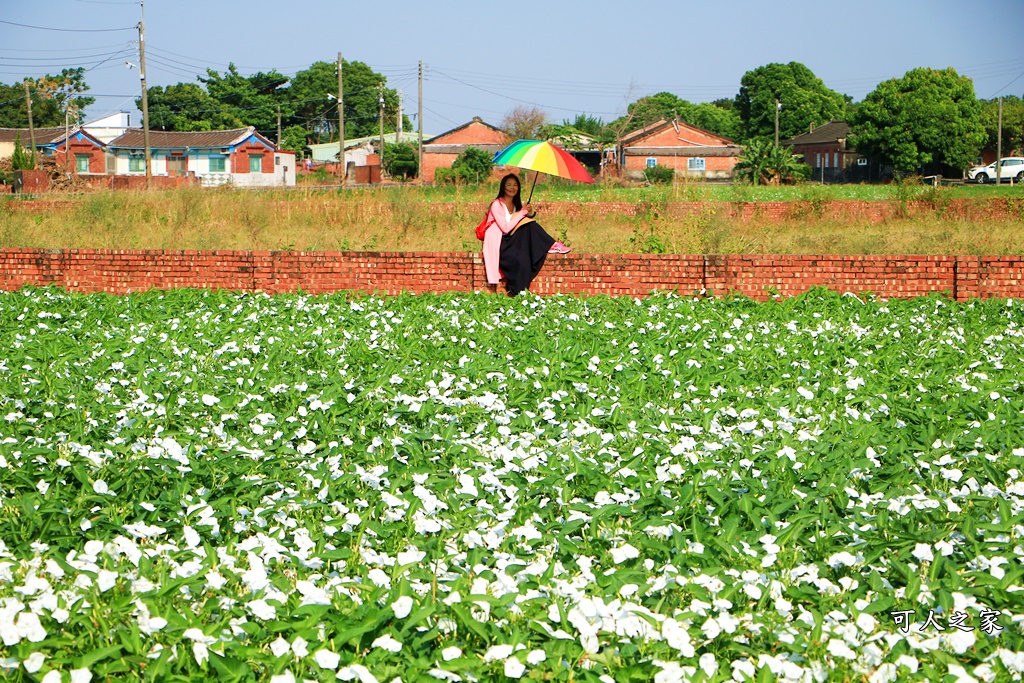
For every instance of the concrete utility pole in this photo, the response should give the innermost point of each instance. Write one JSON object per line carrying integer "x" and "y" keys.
{"x": 145, "y": 95}
{"x": 398, "y": 120}
{"x": 419, "y": 122}
{"x": 341, "y": 125}
{"x": 279, "y": 126}
{"x": 381, "y": 150}
{"x": 999, "y": 144}
{"x": 31, "y": 128}
{"x": 778, "y": 108}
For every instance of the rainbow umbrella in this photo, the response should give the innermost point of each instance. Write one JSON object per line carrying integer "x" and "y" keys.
{"x": 541, "y": 156}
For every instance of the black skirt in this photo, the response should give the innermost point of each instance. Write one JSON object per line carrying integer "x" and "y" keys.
{"x": 522, "y": 256}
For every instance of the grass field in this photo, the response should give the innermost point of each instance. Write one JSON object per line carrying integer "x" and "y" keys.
{"x": 207, "y": 485}
{"x": 441, "y": 219}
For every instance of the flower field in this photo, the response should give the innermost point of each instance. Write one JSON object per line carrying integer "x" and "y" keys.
{"x": 236, "y": 487}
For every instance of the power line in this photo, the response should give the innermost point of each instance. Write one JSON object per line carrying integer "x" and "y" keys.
{"x": 70, "y": 30}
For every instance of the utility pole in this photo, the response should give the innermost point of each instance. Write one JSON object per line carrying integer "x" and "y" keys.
{"x": 778, "y": 108}
{"x": 145, "y": 95}
{"x": 999, "y": 145}
{"x": 341, "y": 125}
{"x": 279, "y": 126}
{"x": 398, "y": 122}
{"x": 67, "y": 143}
{"x": 419, "y": 122}
{"x": 31, "y": 128}
{"x": 381, "y": 151}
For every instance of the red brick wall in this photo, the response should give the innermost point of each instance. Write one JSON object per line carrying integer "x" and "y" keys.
{"x": 240, "y": 158}
{"x": 756, "y": 276}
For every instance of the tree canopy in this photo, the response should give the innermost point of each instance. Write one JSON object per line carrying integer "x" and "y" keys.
{"x": 929, "y": 116}
{"x": 50, "y": 96}
{"x": 1013, "y": 124}
{"x": 717, "y": 117}
{"x": 228, "y": 100}
{"x": 804, "y": 97}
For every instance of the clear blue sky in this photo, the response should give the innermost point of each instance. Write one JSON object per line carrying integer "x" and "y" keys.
{"x": 482, "y": 58}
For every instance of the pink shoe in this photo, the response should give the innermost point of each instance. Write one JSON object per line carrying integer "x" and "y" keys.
{"x": 559, "y": 248}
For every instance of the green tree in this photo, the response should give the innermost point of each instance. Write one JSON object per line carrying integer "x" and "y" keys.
{"x": 762, "y": 163}
{"x": 715, "y": 117}
{"x": 295, "y": 139}
{"x": 253, "y": 99}
{"x": 50, "y": 96}
{"x": 929, "y": 116}
{"x": 1013, "y": 124}
{"x": 22, "y": 159}
{"x": 804, "y": 97}
{"x": 400, "y": 161}
{"x": 188, "y": 107}
{"x": 473, "y": 165}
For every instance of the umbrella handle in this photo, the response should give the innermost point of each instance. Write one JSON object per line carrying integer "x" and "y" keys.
{"x": 533, "y": 185}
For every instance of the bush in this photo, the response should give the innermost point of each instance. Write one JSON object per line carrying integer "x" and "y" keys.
{"x": 401, "y": 160}
{"x": 473, "y": 165}
{"x": 659, "y": 174}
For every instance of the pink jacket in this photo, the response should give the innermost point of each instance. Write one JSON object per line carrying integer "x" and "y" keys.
{"x": 496, "y": 216}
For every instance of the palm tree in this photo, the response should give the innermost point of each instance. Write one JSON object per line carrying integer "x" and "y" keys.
{"x": 764, "y": 163}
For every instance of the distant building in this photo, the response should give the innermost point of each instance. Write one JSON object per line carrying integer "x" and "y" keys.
{"x": 109, "y": 127}
{"x": 686, "y": 149}
{"x": 824, "y": 149}
{"x": 240, "y": 157}
{"x": 442, "y": 150}
{"x": 74, "y": 148}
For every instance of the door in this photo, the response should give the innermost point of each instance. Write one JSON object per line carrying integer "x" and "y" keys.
{"x": 177, "y": 165}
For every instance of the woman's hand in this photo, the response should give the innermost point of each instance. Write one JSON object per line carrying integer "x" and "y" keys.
{"x": 528, "y": 208}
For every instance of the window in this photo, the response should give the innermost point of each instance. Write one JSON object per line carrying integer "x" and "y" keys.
{"x": 651, "y": 162}
{"x": 137, "y": 163}
{"x": 817, "y": 159}
{"x": 695, "y": 164}
{"x": 862, "y": 161}
{"x": 255, "y": 163}
{"x": 82, "y": 163}
{"x": 218, "y": 164}
{"x": 835, "y": 159}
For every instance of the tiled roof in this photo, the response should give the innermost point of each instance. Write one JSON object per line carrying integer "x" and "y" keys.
{"x": 830, "y": 132}
{"x": 690, "y": 151}
{"x": 44, "y": 136}
{"x": 476, "y": 119}
{"x": 459, "y": 149}
{"x": 658, "y": 126}
{"x": 134, "y": 138}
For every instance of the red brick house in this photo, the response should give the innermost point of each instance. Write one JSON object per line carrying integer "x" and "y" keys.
{"x": 82, "y": 152}
{"x": 824, "y": 149}
{"x": 442, "y": 150}
{"x": 684, "y": 148}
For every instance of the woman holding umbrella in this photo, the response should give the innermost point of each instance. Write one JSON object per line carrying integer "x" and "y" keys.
{"x": 515, "y": 245}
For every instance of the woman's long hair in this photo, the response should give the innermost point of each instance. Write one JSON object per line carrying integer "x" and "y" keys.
{"x": 517, "y": 201}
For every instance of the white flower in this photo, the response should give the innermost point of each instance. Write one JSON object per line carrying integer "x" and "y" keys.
{"x": 402, "y": 606}
{"x": 356, "y": 671}
{"x": 29, "y": 628}
{"x": 201, "y": 653}
{"x": 708, "y": 663}
{"x": 535, "y": 657}
{"x": 838, "y": 648}
{"x": 210, "y": 400}
{"x": 514, "y": 668}
{"x": 379, "y": 578}
{"x": 806, "y": 393}
{"x": 81, "y": 676}
{"x": 34, "y": 662}
{"x": 623, "y": 553}
{"x": 286, "y": 677}
{"x": 105, "y": 580}
{"x": 497, "y": 652}
{"x": 450, "y": 653}
{"x": 261, "y": 610}
{"x": 100, "y": 487}
{"x": 52, "y": 676}
{"x": 299, "y": 647}
{"x": 326, "y": 659}
{"x": 279, "y": 647}
{"x": 923, "y": 552}
{"x": 386, "y": 642}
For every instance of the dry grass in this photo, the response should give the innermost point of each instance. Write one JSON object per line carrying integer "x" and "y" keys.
{"x": 411, "y": 219}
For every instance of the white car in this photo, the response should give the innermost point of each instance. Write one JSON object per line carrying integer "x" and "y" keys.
{"x": 1010, "y": 167}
